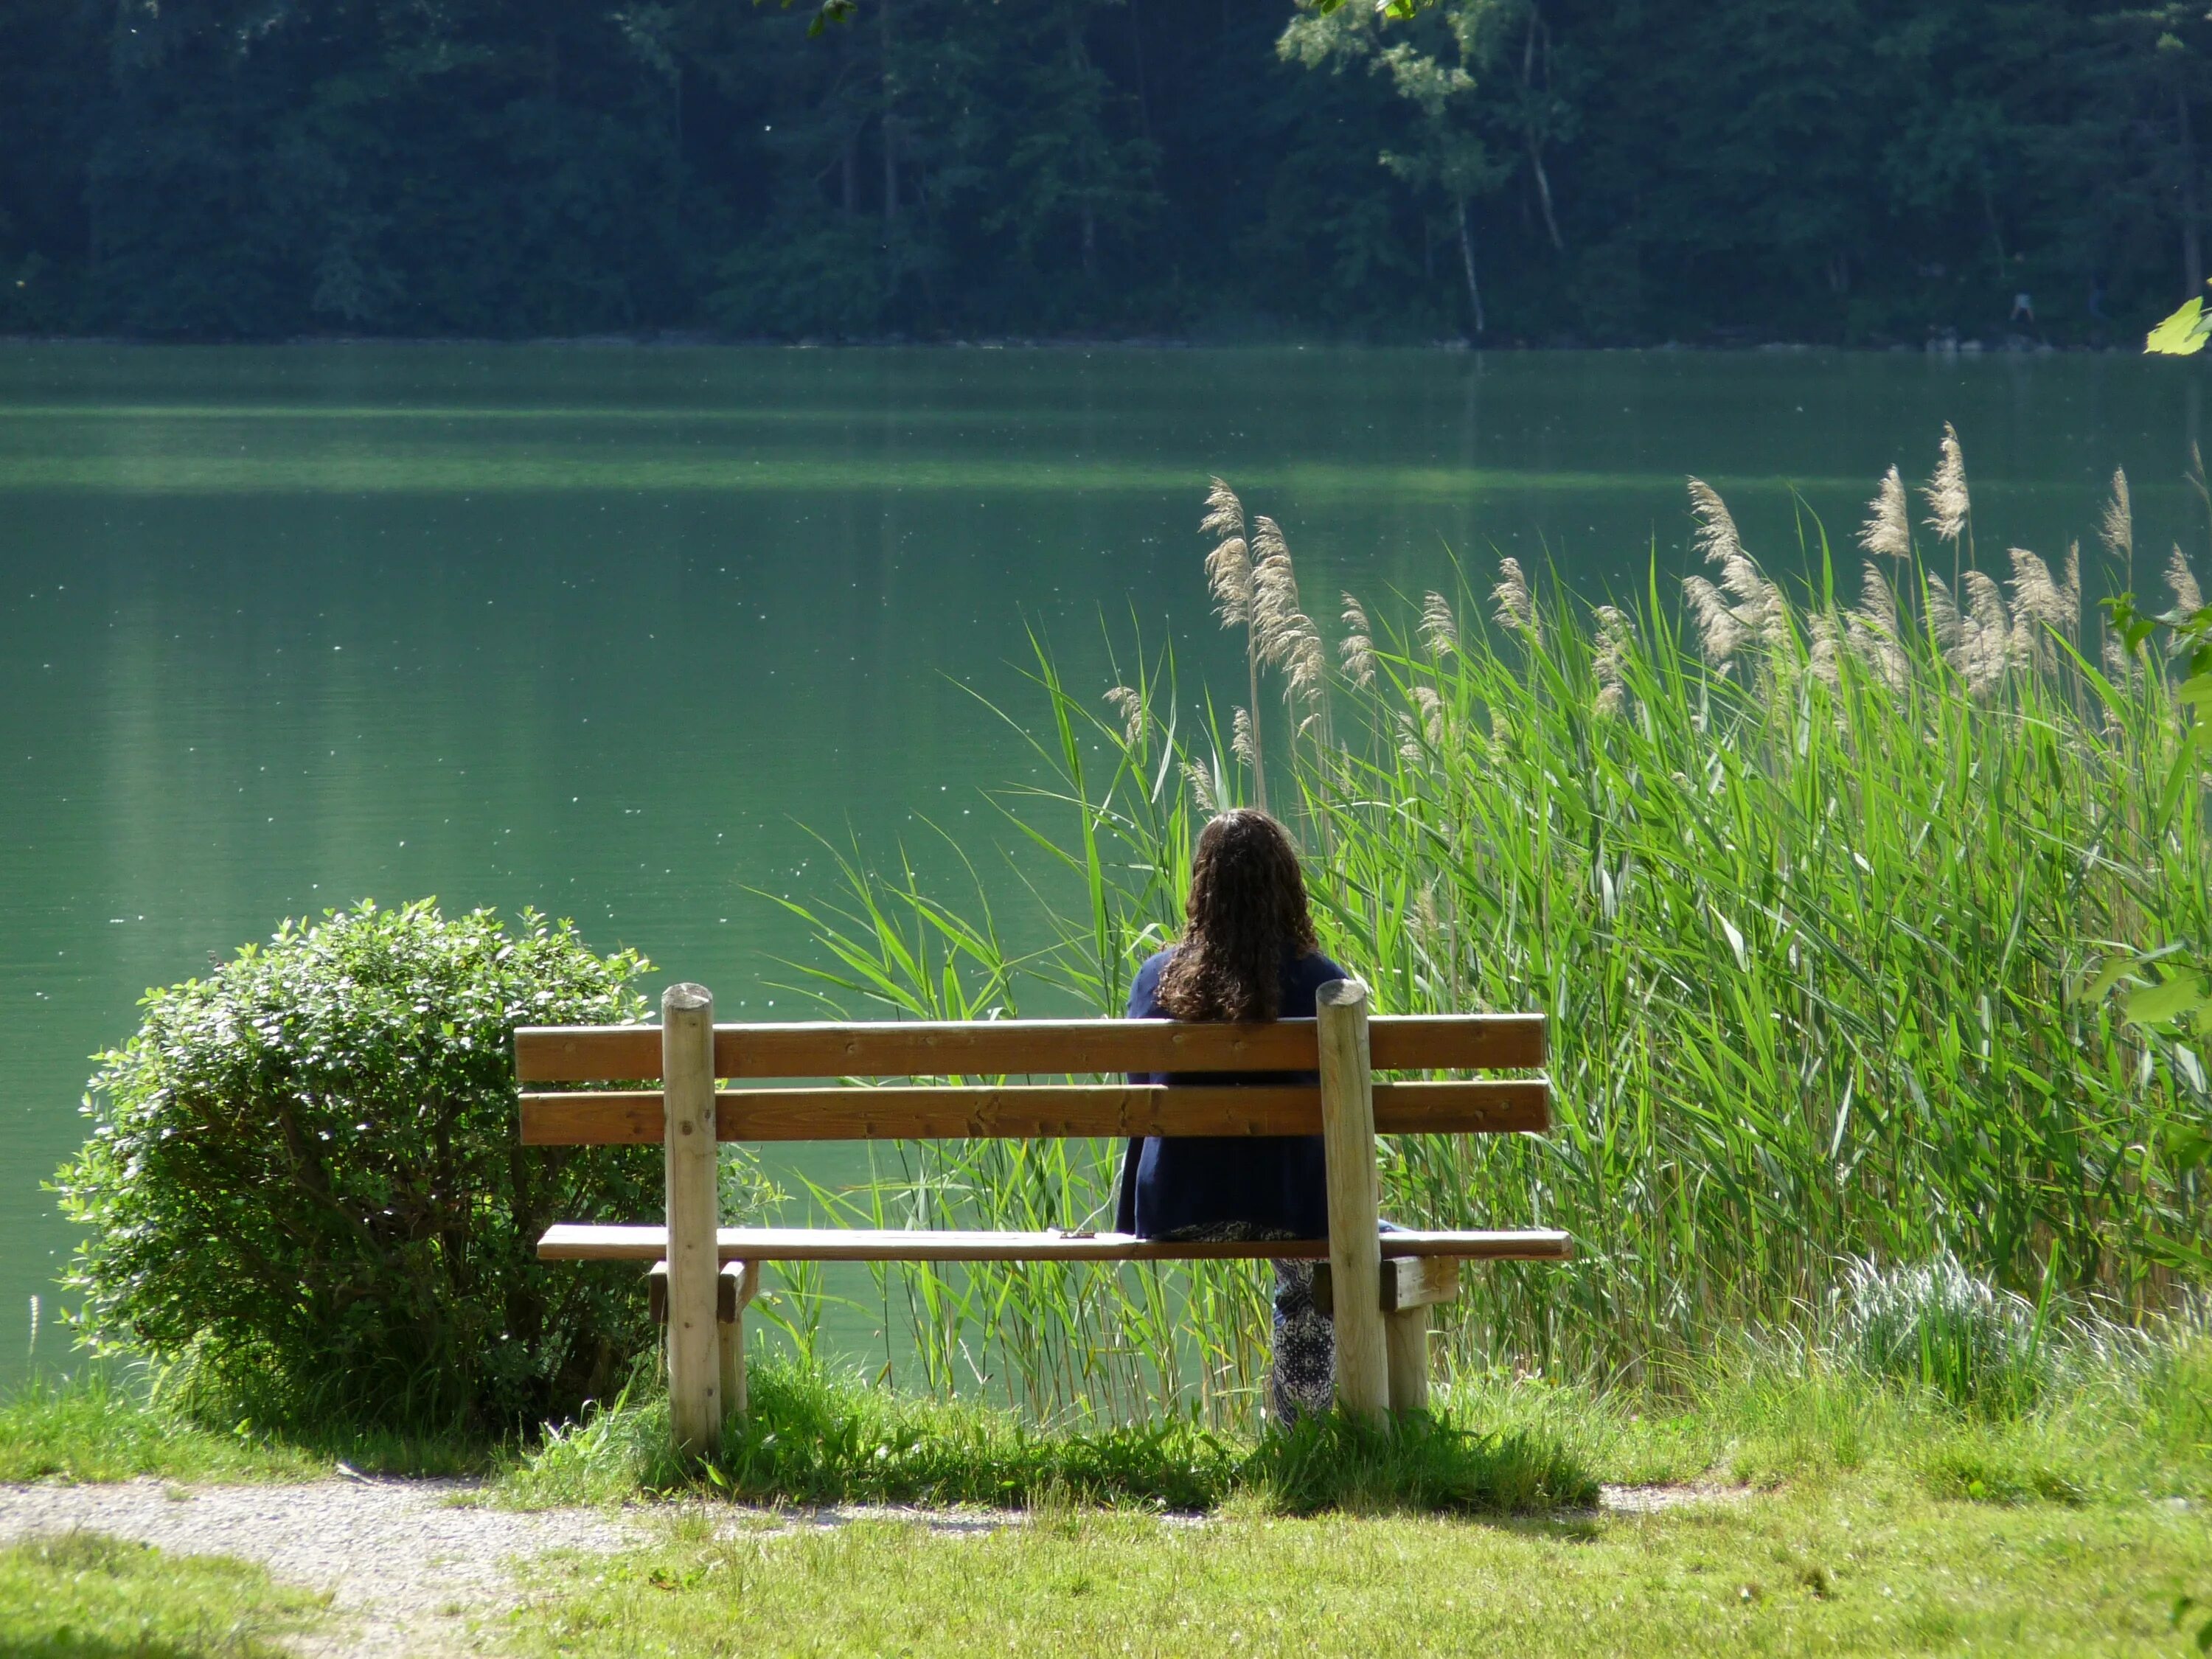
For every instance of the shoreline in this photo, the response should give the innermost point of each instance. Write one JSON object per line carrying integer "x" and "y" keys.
{"x": 2013, "y": 346}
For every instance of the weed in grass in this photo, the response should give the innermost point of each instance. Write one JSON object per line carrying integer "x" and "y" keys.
{"x": 86, "y": 1595}
{"x": 1939, "y": 1325}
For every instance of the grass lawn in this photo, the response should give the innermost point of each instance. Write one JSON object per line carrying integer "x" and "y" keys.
{"x": 1862, "y": 1563}
{"x": 83, "y": 1595}
{"x": 91, "y": 1427}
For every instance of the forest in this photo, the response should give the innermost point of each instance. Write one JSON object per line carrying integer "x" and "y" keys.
{"x": 1870, "y": 173}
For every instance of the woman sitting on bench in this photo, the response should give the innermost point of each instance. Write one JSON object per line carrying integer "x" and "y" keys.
{"x": 1248, "y": 953}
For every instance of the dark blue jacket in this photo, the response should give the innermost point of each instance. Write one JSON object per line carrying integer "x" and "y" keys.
{"x": 1274, "y": 1181}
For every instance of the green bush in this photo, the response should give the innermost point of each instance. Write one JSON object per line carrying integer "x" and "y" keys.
{"x": 305, "y": 1181}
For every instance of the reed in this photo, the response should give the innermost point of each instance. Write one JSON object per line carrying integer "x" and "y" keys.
{"x": 1814, "y": 895}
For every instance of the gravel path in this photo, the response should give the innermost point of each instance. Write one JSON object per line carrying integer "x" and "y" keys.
{"x": 407, "y": 1568}
{"x": 412, "y": 1565}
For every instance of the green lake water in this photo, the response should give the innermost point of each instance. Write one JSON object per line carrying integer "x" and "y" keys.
{"x": 608, "y": 630}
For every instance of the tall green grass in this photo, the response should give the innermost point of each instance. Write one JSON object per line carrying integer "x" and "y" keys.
{"x": 1814, "y": 893}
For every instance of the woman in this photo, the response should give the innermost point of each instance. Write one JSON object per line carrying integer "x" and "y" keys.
{"x": 1248, "y": 953}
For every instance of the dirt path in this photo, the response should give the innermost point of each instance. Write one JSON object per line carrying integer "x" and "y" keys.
{"x": 407, "y": 1568}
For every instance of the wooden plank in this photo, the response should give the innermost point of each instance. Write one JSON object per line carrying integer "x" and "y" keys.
{"x": 632, "y": 1118}
{"x": 1408, "y": 1281}
{"x": 591, "y": 1241}
{"x": 695, "y": 1340}
{"x": 1418, "y": 1281}
{"x": 733, "y": 1288}
{"x": 1355, "y": 1257}
{"x": 1028, "y": 1047}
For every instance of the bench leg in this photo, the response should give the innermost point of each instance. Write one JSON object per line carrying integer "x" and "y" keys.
{"x": 1355, "y": 1252}
{"x": 1406, "y": 1336}
{"x": 686, "y": 1072}
{"x": 746, "y": 1275}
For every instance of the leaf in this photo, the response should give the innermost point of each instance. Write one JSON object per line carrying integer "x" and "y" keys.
{"x": 2171, "y": 998}
{"x": 1736, "y": 942}
{"x": 2181, "y": 334}
{"x": 2116, "y": 965}
{"x": 2186, "y": 1148}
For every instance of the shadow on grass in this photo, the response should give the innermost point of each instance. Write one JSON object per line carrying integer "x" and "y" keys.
{"x": 810, "y": 1438}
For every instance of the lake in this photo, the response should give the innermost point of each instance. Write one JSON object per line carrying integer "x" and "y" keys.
{"x": 611, "y": 630}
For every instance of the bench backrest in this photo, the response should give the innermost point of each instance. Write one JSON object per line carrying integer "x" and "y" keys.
{"x": 1002, "y": 1048}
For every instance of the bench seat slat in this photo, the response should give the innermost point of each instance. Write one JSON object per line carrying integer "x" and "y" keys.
{"x": 1399, "y": 1042}
{"x": 578, "y": 1241}
{"x": 634, "y": 1118}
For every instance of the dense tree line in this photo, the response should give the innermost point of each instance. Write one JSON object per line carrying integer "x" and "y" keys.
{"x": 1511, "y": 170}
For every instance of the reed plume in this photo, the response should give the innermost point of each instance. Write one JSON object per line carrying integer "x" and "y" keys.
{"x": 1130, "y": 705}
{"x": 1609, "y": 661}
{"x": 1358, "y": 647}
{"x": 1439, "y": 629}
{"x": 1432, "y": 712}
{"x": 1986, "y": 643}
{"x": 1874, "y": 629}
{"x": 1944, "y": 622}
{"x": 1825, "y": 658}
{"x": 1231, "y": 577}
{"x": 1288, "y": 640}
{"x": 1887, "y": 532}
{"x": 1229, "y": 566}
{"x": 1203, "y": 793}
{"x": 2187, "y": 597}
{"x": 2116, "y": 530}
{"x": 2041, "y": 606}
{"x": 1516, "y": 606}
{"x": 1241, "y": 741}
{"x": 1745, "y": 608}
{"x": 1949, "y": 506}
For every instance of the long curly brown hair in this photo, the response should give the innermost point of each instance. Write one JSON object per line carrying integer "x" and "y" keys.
{"x": 1247, "y": 916}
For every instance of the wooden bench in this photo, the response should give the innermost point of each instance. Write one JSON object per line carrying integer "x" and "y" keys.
{"x": 1382, "y": 1336}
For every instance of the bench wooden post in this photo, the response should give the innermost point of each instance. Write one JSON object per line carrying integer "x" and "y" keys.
{"x": 1355, "y": 1254}
{"x": 1405, "y": 1335}
{"x": 742, "y": 1281}
{"x": 686, "y": 1072}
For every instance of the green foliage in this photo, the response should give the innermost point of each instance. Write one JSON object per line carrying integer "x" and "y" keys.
{"x": 304, "y": 1185}
{"x": 87, "y": 1595}
{"x": 2183, "y": 334}
{"x": 1692, "y": 169}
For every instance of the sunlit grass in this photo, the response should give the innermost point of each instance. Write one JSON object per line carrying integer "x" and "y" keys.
{"x": 1862, "y": 1565}
{"x": 97, "y": 1426}
{"x": 85, "y": 1595}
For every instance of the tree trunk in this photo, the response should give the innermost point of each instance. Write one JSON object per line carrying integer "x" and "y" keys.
{"x": 1467, "y": 262}
{"x": 1536, "y": 145}
{"x": 1544, "y": 194}
{"x": 889, "y": 122}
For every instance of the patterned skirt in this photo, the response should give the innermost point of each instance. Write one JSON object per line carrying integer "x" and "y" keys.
{"x": 1302, "y": 1377}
